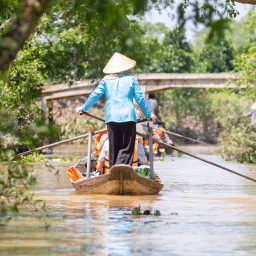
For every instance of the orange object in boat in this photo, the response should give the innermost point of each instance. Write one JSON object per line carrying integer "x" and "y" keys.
{"x": 74, "y": 174}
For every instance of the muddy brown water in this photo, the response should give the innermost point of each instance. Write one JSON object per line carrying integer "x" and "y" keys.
{"x": 204, "y": 211}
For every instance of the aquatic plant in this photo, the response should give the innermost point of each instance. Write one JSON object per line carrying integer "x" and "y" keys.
{"x": 35, "y": 157}
{"x": 137, "y": 211}
{"x": 163, "y": 153}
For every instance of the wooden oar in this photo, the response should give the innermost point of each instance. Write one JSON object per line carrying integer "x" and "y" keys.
{"x": 199, "y": 158}
{"x": 181, "y": 136}
{"x": 59, "y": 143}
{"x": 178, "y": 135}
{"x": 87, "y": 114}
{"x": 186, "y": 153}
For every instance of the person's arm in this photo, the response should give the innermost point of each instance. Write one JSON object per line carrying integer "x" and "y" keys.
{"x": 104, "y": 151}
{"x": 248, "y": 114}
{"x": 139, "y": 98}
{"x": 95, "y": 95}
{"x": 157, "y": 137}
{"x": 103, "y": 138}
{"x": 102, "y": 156}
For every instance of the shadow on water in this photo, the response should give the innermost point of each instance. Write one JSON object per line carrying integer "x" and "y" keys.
{"x": 204, "y": 211}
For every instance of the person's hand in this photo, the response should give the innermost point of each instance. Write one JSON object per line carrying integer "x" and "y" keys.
{"x": 153, "y": 117}
{"x": 79, "y": 110}
{"x": 146, "y": 163}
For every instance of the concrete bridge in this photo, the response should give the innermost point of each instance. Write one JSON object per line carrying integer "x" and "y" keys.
{"x": 148, "y": 83}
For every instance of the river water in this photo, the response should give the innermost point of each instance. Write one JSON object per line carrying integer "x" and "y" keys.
{"x": 204, "y": 211}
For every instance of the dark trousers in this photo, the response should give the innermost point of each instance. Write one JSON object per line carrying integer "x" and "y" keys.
{"x": 121, "y": 142}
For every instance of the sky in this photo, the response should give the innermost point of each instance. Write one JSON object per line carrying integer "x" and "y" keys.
{"x": 154, "y": 17}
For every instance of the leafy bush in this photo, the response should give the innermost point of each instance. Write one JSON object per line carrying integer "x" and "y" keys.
{"x": 239, "y": 145}
{"x": 15, "y": 177}
{"x": 246, "y": 66}
{"x": 216, "y": 56}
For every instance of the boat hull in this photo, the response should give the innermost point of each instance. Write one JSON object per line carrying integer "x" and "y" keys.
{"x": 121, "y": 180}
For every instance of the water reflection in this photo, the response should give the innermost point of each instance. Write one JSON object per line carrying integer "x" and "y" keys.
{"x": 204, "y": 211}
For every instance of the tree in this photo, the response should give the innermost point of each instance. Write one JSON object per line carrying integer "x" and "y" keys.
{"x": 20, "y": 30}
{"x": 170, "y": 55}
{"x": 30, "y": 11}
{"x": 176, "y": 53}
{"x": 95, "y": 12}
{"x": 245, "y": 63}
{"x": 236, "y": 35}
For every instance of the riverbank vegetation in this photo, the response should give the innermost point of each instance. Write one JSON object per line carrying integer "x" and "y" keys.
{"x": 74, "y": 40}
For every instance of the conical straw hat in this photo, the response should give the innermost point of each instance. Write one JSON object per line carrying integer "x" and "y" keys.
{"x": 253, "y": 106}
{"x": 118, "y": 63}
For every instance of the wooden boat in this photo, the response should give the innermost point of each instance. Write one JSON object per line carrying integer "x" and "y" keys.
{"x": 121, "y": 180}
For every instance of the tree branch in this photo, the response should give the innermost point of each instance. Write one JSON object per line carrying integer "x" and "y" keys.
{"x": 253, "y": 2}
{"x": 19, "y": 31}
{"x": 3, "y": 25}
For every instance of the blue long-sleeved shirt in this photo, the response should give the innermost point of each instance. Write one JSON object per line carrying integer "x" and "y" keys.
{"x": 120, "y": 92}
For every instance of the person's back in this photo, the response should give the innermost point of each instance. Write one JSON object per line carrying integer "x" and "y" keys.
{"x": 152, "y": 103}
{"x": 120, "y": 93}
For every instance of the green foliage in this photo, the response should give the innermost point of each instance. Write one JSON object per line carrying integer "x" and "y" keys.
{"x": 245, "y": 62}
{"x": 236, "y": 35}
{"x": 246, "y": 65}
{"x": 240, "y": 145}
{"x": 234, "y": 103}
{"x": 33, "y": 158}
{"x": 172, "y": 55}
{"x": 21, "y": 128}
{"x": 154, "y": 30}
{"x": 71, "y": 51}
{"x": 143, "y": 172}
{"x": 7, "y": 8}
{"x": 201, "y": 113}
{"x": 176, "y": 57}
{"x": 15, "y": 177}
{"x": 209, "y": 14}
{"x": 162, "y": 153}
{"x": 250, "y": 22}
{"x": 78, "y": 126}
{"x": 216, "y": 56}
{"x": 188, "y": 101}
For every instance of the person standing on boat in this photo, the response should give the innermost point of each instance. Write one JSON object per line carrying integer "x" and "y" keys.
{"x": 120, "y": 88}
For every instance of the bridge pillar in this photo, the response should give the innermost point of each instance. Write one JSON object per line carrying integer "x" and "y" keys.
{"x": 47, "y": 107}
{"x": 144, "y": 91}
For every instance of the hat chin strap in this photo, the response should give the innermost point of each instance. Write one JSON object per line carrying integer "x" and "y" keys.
{"x": 121, "y": 73}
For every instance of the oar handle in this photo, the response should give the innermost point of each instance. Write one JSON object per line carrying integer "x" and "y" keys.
{"x": 87, "y": 114}
{"x": 81, "y": 112}
{"x": 144, "y": 120}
